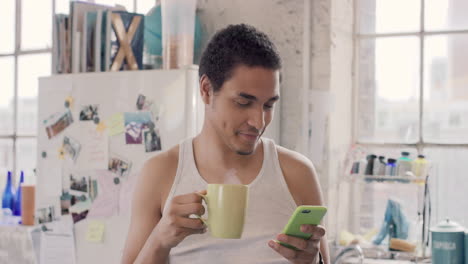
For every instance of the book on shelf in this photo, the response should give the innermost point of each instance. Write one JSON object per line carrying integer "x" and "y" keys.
{"x": 94, "y": 38}
{"x": 126, "y": 41}
{"x": 78, "y": 10}
{"x": 60, "y": 47}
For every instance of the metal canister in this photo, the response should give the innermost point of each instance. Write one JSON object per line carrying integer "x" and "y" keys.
{"x": 466, "y": 246}
{"x": 448, "y": 243}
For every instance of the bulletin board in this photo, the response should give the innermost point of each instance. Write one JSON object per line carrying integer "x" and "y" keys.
{"x": 95, "y": 131}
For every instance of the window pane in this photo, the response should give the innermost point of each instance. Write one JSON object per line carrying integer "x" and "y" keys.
{"x": 143, "y": 7}
{"x": 446, "y": 14}
{"x": 449, "y": 184}
{"x": 30, "y": 67}
{"x": 446, "y": 89}
{"x": 36, "y": 24}
{"x": 384, "y": 16}
{"x": 62, "y": 6}
{"x": 6, "y": 160}
{"x": 7, "y": 69}
{"x": 7, "y": 25}
{"x": 388, "y": 103}
{"x": 26, "y": 155}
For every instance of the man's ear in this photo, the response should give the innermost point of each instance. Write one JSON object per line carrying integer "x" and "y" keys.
{"x": 206, "y": 89}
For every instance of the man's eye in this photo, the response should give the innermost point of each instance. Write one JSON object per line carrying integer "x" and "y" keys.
{"x": 243, "y": 104}
{"x": 268, "y": 106}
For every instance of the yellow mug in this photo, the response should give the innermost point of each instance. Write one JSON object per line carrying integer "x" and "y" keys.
{"x": 227, "y": 206}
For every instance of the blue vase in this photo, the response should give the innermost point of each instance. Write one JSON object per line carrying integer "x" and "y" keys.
{"x": 8, "y": 198}
{"x": 17, "y": 209}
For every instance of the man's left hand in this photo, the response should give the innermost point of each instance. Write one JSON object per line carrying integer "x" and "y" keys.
{"x": 308, "y": 249}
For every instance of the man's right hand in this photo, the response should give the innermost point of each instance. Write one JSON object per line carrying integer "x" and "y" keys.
{"x": 175, "y": 224}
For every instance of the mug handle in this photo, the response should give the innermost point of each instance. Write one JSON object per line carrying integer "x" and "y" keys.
{"x": 205, "y": 198}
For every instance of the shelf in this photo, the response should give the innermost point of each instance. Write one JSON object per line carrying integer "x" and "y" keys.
{"x": 387, "y": 179}
{"x": 382, "y": 253}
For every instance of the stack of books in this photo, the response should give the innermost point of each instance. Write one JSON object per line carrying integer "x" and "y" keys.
{"x": 95, "y": 38}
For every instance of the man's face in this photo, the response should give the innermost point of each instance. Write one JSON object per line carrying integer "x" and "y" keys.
{"x": 243, "y": 107}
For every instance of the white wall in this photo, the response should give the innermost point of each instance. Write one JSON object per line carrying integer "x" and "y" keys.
{"x": 282, "y": 21}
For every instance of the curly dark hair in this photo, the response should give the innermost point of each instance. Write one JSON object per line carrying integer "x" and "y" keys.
{"x": 233, "y": 46}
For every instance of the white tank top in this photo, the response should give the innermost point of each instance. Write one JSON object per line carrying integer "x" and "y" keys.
{"x": 270, "y": 205}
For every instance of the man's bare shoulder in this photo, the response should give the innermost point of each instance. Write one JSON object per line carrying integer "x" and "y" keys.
{"x": 292, "y": 160}
{"x": 157, "y": 176}
{"x": 162, "y": 163}
{"x": 300, "y": 175}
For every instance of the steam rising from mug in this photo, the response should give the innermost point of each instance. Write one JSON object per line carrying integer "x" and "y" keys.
{"x": 231, "y": 177}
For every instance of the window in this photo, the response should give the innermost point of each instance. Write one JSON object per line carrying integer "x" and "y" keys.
{"x": 412, "y": 87}
{"x": 25, "y": 55}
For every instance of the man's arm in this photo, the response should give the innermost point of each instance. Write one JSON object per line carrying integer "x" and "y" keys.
{"x": 303, "y": 183}
{"x": 152, "y": 235}
{"x": 146, "y": 212}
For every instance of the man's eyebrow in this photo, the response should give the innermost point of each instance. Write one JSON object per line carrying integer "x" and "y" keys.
{"x": 253, "y": 98}
{"x": 274, "y": 98}
{"x": 248, "y": 96}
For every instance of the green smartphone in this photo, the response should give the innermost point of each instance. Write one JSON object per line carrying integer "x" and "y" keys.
{"x": 303, "y": 215}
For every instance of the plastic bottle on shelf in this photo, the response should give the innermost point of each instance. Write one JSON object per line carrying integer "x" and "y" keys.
{"x": 17, "y": 208}
{"x": 362, "y": 164}
{"x": 404, "y": 164}
{"x": 379, "y": 166}
{"x": 420, "y": 166}
{"x": 370, "y": 164}
{"x": 390, "y": 169}
{"x": 8, "y": 197}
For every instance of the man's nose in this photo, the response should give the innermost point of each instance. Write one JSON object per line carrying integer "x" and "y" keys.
{"x": 257, "y": 119}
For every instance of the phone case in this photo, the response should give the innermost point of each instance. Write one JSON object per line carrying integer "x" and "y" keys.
{"x": 304, "y": 214}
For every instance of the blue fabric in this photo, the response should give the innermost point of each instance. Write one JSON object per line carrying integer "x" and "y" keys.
{"x": 395, "y": 224}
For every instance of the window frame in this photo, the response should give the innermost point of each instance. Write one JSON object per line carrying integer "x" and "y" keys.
{"x": 421, "y": 34}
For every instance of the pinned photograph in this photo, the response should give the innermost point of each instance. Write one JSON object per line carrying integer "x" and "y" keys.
{"x": 152, "y": 140}
{"x": 68, "y": 201}
{"x": 78, "y": 184}
{"x": 88, "y": 112}
{"x": 65, "y": 202}
{"x": 79, "y": 207}
{"x": 58, "y": 123}
{"x": 134, "y": 125}
{"x": 79, "y": 216}
{"x": 71, "y": 147}
{"x": 140, "y": 101}
{"x": 119, "y": 166}
{"x": 143, "y": 103}
{"x": 45, "y": 215}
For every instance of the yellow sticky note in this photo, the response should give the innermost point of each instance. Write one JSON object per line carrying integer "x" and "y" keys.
{"x": 101, "y": 127}
{"x": 116, "y": 124}
{"x": 95, "y": 231}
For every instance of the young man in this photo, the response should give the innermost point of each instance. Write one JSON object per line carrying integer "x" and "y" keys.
{"x": 239, "y": 85}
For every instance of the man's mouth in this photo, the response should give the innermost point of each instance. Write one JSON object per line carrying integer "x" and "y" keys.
{"x": 249, "y": 136}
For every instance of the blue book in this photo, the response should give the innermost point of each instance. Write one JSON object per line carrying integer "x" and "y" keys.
{"x": 136, "y": 43}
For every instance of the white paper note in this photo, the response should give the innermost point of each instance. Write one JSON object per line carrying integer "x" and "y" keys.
{"x": 95, "y": 150}
{"x": 58, "y": 245}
